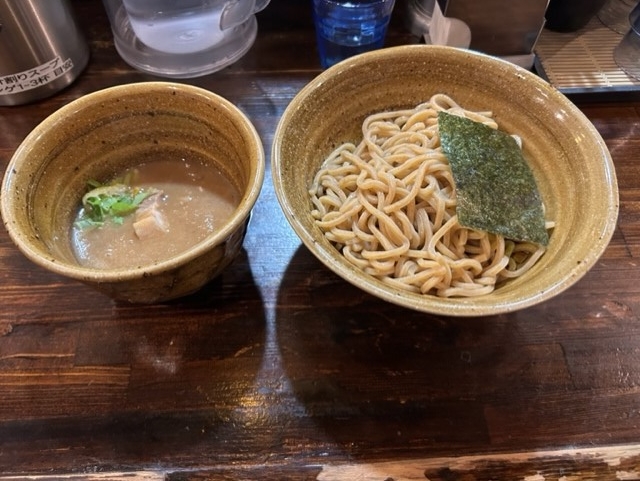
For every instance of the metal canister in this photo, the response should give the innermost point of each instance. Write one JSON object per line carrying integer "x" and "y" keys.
{"x": 42, "y": 49}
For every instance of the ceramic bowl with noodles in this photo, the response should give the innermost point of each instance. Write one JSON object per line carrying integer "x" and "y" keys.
{"x": 381, "y": 212}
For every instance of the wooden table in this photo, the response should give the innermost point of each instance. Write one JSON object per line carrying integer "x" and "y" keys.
{"x": 281, "y": 370}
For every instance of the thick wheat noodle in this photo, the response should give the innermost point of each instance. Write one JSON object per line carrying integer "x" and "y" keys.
{"x": 388, "y": 204}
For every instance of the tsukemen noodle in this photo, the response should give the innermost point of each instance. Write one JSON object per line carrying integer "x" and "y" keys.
{"x": 388, "y": 203}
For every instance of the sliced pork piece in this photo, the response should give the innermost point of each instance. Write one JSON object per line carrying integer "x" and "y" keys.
{"x": 149, "y": 219}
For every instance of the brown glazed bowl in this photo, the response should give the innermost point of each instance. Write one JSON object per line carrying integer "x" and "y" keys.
{"x": 98, "y": 136}
{"x": 570, "y": 161}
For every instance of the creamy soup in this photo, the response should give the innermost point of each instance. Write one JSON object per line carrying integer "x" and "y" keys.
{"x": 186, "y": 201}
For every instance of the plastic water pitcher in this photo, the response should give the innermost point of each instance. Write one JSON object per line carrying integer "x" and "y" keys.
{"x": 183, "y": 38}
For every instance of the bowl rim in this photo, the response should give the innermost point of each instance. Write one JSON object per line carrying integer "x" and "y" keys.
{"x": 240, "y": 215}
{"x": 457, "y": 307}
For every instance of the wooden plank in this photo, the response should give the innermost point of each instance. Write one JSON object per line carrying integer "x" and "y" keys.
{"x": 607, "y": 463}
{"x": 599, "y": 463}
{"x": 123, "y": 476}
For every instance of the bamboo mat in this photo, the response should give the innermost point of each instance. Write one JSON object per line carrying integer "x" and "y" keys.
{"x": 582, "y": 61}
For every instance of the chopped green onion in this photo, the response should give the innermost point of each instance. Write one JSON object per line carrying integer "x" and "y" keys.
{"x": 112, "y": 202}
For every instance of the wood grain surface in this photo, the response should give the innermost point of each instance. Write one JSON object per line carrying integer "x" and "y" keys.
{"x": 281, "y": 370}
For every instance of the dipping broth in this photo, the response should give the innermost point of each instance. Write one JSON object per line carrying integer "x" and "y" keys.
{"x": 192, "y": 201}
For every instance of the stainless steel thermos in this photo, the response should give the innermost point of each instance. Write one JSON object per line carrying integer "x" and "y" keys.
{"x": 42, "y": 50}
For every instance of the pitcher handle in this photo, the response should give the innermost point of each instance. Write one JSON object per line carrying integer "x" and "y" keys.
{"x": 260, "y": 5}
{"x": 236, "y": 12}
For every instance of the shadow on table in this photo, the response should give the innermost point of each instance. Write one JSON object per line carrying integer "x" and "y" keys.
{"x": 135, "y": 385}
{"x": 384, "y": 380}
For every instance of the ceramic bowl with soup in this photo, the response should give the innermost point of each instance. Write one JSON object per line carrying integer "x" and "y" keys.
{"x": 142, "y": 191}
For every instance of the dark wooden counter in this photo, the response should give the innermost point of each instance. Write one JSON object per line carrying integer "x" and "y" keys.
{"x": 281, "y": 370}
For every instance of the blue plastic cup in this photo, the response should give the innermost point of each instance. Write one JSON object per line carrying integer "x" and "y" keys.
{"x": 345, "y": 28}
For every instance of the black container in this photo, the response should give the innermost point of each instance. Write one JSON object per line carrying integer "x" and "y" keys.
{"x": 571, "y": 15}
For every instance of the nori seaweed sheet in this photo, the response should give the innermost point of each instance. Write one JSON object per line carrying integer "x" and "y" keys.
{"x": 496, "y": 189}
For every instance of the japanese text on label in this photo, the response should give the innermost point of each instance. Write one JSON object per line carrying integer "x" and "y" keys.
{"x": 34, "y": 77}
